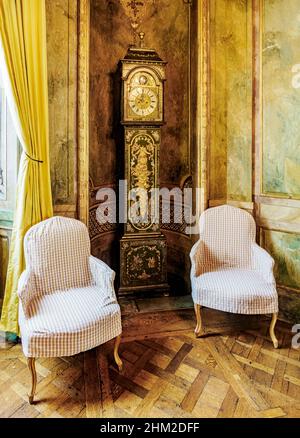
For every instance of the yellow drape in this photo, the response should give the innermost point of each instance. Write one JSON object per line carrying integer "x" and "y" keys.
{"x": 23, "y": 38}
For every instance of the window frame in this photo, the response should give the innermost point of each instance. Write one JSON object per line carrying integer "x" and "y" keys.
{"x": 3, "y": 145}
{"x": 10, "y": 149}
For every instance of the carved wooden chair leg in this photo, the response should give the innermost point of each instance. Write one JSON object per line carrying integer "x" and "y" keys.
{"x": 271, "y": 330}
{"x": 31, "y": 366}
{"x": 199, "y": 329}
{"x": 116, "y": 353}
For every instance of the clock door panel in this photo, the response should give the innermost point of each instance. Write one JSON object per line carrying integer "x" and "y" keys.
{"x": 141, "y": 170}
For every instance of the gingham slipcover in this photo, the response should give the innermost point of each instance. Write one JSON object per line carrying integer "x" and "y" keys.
{"x": 230, "y": 272}
{"x": 67, "y": 299}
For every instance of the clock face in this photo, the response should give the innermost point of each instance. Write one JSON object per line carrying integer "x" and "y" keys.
{"x": 143, "y": 97}
{"x": 143, "y": 101}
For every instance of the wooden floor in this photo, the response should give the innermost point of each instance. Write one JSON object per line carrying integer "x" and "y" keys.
{"x": 167, "y": 373}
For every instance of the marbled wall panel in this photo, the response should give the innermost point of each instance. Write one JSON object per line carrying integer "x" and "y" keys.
{"x": 277, "y": 145}
{"x": 62, "y": 73}
{"x": 239, "y": 89}
{"x": 286, "y": 216}
{"x": 218, "y": 101}
{"x": 231, "y": 100}
{"x": 285, "y": 248}
{"x": 281, "y": 97}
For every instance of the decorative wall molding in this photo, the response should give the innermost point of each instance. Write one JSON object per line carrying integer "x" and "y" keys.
{"x": 203, "y": 104}
{"x": 3, "y": 145}
{"x": 83, "y": 110}
{"x": 284, "y": 202}
{"x": 189, "y": 89}
{"x": 65, "y": 210}
{"x": 62, "y": 38}
{"x": 239, "y": 204}
{"x": 284, "y": 227}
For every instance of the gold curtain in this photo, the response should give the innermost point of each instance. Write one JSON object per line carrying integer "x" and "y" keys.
{"x": 23, "y": 40}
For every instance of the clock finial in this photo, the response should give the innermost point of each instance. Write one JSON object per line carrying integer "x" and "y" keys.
{"x": 138, "y": 11}
{"x": 142, "y": 36}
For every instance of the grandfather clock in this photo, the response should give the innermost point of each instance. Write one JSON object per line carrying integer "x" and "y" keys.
{"x": 143, "y": 247}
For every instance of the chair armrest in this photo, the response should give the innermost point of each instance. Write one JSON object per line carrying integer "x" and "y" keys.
{"x": 103, "y": 276}
{"x": 197, "y": 259}
{"x": 27, "y": 291}
{"x": 263, "y": 263}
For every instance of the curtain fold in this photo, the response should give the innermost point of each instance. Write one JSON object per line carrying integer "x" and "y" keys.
{"x": 23, "y": 57}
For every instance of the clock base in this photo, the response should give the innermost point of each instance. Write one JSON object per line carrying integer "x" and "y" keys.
{"x": 143, "y": 265}
{"x": 145, "y": 292}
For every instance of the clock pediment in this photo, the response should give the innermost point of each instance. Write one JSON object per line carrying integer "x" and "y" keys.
{"x": 143, "y": 76}
{"x": 142, "y": 54}
{"x": 128, "y": 70}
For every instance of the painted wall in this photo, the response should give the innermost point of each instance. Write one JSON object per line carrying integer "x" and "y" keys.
{"x": 231, "y": 98}
{"x": 279, "y": 159}
{"x": 167, "y": 30}
{"x": 281, "y": 98}
{"x": 61, "y": 18}
{"x": 254, "y": 130}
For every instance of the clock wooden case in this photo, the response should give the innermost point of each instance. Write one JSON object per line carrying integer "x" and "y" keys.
{"x": 143, "y": 247}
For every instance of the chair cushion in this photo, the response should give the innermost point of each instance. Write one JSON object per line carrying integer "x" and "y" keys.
{"x": 235, "y": 290}
{"x": 69, "y": 322}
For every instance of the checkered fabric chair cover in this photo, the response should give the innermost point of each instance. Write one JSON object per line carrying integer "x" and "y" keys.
{"x": 230, "y": 272}
{"x": 67, "y": 299}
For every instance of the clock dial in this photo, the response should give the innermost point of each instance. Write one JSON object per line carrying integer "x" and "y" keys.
{"x": 143, "y": 101}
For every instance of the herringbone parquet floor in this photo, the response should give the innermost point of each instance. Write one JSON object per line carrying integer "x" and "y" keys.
{"x": 174, "y": 376}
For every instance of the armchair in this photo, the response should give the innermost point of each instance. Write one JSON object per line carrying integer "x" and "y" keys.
{"x": 67, "y": 302}
{"x": 230, "y": 272}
